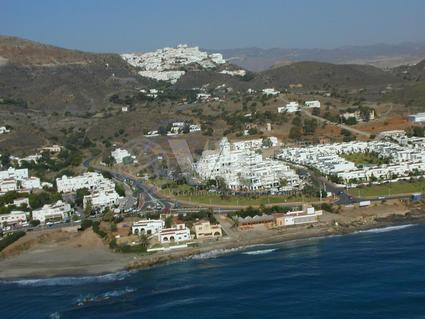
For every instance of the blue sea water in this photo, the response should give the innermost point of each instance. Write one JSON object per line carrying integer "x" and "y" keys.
{"x": 372, "y": 274}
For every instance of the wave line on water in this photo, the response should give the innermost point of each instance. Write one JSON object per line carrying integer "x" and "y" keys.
{"x": 71, "y": 280}
{"x": 383, "y": 229}
{"x": 260, "y": 252}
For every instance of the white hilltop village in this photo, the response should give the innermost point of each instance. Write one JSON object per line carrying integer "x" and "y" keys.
{"x": 166, "y": 64}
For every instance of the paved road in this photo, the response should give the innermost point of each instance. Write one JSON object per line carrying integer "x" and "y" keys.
{"x": 342, "y": 126}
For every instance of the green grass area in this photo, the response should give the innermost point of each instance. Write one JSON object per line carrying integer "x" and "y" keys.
{"x": 367, "y": 158}
{"x": 185, "y": 192}
{"x": 389, "y": 189}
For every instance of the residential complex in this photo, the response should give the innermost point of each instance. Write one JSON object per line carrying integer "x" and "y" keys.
{"x": 18, "y": 180}
{"x": 242, "y": 167}
{"x": 102, "y": 190}
{"x": 405, "y": 157}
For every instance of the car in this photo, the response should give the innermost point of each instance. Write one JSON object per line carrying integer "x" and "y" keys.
{"x": 381, "y": 197}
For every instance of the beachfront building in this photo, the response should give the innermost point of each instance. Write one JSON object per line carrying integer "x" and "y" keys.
{"x": 416, "y": 118}
{"x": 13, "y": 218}
{"x": 147, "y": 226}
{"x": 176, "y": 234}
{"x": 308, "y": 215}
{"x": 243, "y": 168}
{"x": 58, "y": 211}
{"x": 90, "y": 180}
{"x": 204, "y": 229}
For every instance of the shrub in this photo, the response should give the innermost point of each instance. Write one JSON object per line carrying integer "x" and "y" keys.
{"x": 10, "y": 239}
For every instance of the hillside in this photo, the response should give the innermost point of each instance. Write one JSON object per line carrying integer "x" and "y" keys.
{"x": 55, "y": 79}
{"x": 325, "y": 76}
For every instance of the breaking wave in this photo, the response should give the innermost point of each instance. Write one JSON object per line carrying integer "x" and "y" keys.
{"x": 259, "y": 252}
{"x": 384, "y": 229}
{"x": 90, "y": 299}
{"x": 71, "y": 281}
{"x": 215, "y": 253}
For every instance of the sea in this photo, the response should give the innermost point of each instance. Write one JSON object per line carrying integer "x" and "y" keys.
{"x": 378, "y": 273}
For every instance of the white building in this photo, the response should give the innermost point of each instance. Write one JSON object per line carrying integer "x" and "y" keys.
{"x": 90, "y": 180}
{"x": 312, "y": 104}
{"x": 177, "y": 234}
{"x": 242, "y": 167}
{"x": 417, "y": 118}
{"x": 12, "y": 173}
{"x": 52, "y": 149}
{"x": 270, "y": 91}
{"x": 21, "y": 201}
{"x": 124, "y": 109}
{"x": 119, "y": 155}
{"x": 404, "y": 159}
{"x": 102, "y": 199}
{"x": 31, "y": 183}
{"x": 291, "y": 107}
{"x": 58, "y": 211}
{"x": 305, "y": 216}
{"x": 148, "y": 227}
{"x": 4, "y": 130}
{"x": 8, "y": 185}
{"x": 14, "y": 217}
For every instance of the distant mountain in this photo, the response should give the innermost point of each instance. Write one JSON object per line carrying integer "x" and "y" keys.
{"x": 379, "y": 55}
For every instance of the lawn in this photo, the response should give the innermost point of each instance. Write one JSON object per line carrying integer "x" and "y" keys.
{"x": 188, "y": 193}
{"x": 211, "y": 198}
{"x": 389, "y": 189}
{"x": 367, "y": 158}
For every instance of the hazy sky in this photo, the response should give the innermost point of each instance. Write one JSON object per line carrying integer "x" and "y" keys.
{"x": 130, "y": 25}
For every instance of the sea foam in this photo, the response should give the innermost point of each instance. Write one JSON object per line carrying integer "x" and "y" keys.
{"x": 259, "y": 252}
{"x": 70, "y": 281}
{"x": 384, "y": 229}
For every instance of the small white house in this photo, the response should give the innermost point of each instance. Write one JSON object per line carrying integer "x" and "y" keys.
{"x": 312, "y": 104}
{"x": 416, "y": 118}
{"x": 176, "y": 234}
{"x": 270, "y": 91}
{"x": 148, "y": 227}
{"x": 124, "y": 109}
{"x": 4, "y": 130}
{"x": 291, "y": 107}
{"x": 119, "y": 155}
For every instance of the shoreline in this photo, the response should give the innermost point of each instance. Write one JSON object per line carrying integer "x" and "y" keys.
{"x": 275, "y": 237}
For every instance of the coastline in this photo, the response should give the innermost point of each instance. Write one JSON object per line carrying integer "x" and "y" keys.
{"x": 134, "y": 262}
